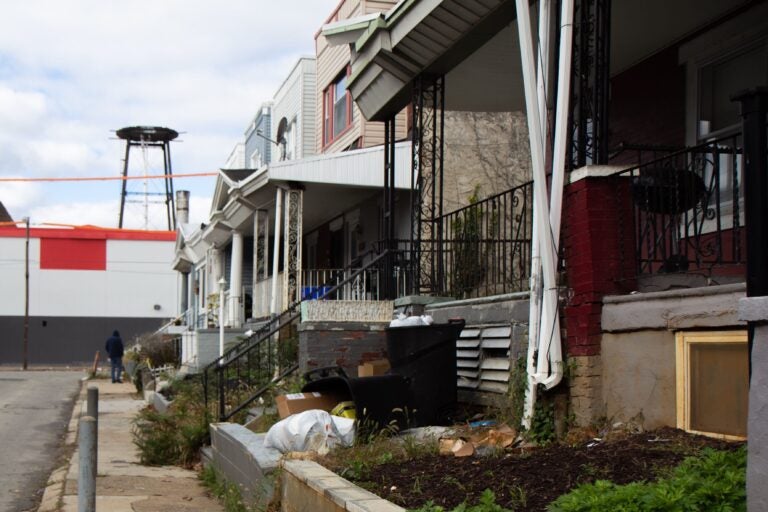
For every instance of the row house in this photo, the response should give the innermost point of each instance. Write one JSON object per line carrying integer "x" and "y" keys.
{"x": 651, "y": 262}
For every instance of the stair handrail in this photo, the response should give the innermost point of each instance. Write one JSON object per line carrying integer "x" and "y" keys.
{"x": 274, "y": 324}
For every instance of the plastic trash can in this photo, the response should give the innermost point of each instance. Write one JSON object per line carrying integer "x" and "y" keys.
{"x": 425, "y": 355}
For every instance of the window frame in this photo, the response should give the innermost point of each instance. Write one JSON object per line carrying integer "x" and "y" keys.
{"x": 683, "y": 342}
{"x": 330, "y": 132}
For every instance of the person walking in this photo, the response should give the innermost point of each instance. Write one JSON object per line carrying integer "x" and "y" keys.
{"x": 114, "y": 348}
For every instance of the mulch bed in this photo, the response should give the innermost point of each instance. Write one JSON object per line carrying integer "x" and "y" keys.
{"x": 531, "y": 479}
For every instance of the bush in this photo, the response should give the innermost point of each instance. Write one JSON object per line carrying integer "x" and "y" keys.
{"x": 176, "y": 436}
{"x": 156, "y": 351}
{"x": 714, "y": 480}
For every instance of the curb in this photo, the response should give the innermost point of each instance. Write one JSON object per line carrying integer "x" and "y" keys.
{"x": 54, "y": 489}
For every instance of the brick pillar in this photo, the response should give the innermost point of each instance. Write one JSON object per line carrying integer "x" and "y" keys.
{"x": 599, "y": 252}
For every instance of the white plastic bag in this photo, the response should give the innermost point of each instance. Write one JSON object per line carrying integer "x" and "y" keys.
{"x": 410, "y": 321}
{"x": 312, "y": 430}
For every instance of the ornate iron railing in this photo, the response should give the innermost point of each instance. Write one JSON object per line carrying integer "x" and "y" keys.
{"x": 486, "y": 246}
{"x": 244, "y": 372}
{"x": 687, "y": 210}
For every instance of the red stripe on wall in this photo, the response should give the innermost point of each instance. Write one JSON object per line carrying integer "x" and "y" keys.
{"x": 69, "y": 254}
{"x": 89, "y": 233}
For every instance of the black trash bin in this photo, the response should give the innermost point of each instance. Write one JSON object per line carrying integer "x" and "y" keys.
{"x": 425, "y": 356}
{"x": 380, "y": 401}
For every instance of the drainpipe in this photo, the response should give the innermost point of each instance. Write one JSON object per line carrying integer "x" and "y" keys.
{"x": 552, "y": 352}
{"x": 534, "y": 316}
{"x": 555, "y": 348}
{"x": 276, "y": 250}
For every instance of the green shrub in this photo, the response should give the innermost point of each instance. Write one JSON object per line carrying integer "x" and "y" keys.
{"x": 176, "y": 436}
{"x": 712, "y": 481}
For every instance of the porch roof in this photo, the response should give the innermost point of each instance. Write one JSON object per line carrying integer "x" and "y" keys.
{"x": 347, "y": 178}
{"x": 475, "y": 44}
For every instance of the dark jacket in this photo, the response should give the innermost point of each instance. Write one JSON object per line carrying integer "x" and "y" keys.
{"x": 114, "y": 345}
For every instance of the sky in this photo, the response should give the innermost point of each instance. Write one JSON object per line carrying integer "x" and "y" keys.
{"x": 74, "y": 71}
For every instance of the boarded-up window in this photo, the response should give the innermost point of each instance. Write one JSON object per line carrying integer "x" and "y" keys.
{"x": 73, "y": 254}
{"x": 713, "y": 382}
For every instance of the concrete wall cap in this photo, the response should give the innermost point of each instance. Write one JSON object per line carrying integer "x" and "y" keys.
{"x": 753, "y": 309}
{"x": 677, "y": 294}
{"x": 596, "y": 171}
{"x": 481, "y": 300}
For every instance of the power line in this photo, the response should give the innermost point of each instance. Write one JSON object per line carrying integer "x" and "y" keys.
{"x": 110, "y": 178}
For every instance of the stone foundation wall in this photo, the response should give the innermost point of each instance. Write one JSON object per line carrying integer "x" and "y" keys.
{"x": 585, "y": 385}
{"x": 345, "y": 344}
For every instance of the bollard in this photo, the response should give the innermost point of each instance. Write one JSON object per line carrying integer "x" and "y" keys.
{"x": 93, "y": 403}
{"x": 86, "y": 481}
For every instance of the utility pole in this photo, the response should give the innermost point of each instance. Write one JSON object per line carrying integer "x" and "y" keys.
{"x": 26, "y": 297}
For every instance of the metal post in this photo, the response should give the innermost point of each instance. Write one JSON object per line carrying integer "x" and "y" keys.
{"x": 26, "y": 298}
{"x": 86, "y": 481}
{"x": 222, "y": 285}
{"x": 754, "y": 105}
{"x": 92, "y": 408}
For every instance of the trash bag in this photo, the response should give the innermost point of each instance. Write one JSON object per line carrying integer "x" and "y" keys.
{"x": 313, "y": 430}
{"x": 411, "y": 321}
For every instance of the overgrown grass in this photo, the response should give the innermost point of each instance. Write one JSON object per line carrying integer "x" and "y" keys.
{"x": 713, "y": 481}
{"x": 227, "y": 493}
{"x": 358, "y": 461}
{"x": 176, "y": 436}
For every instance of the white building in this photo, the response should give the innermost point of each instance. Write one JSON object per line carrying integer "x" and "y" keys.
{"x": 83, "y": 284}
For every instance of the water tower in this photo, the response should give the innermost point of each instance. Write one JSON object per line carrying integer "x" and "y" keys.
{"x": 148, "y": 138}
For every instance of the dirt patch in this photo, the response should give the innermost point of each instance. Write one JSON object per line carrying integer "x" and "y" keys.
{"x": 528, "y": 480}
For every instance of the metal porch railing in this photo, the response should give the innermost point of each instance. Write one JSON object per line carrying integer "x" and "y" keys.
{"x": 486, "y": 246}
{"x": 686, "y": 213}
{"x": 244, "y": 372}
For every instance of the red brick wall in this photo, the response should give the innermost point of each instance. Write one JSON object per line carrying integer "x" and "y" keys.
{"x": 648, "y": 102}
{"x": 599, "y": 255}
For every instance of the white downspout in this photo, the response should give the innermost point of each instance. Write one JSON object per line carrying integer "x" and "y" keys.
{"x": 558, "y": 170}
{"x": 534, "y": 317}
{"x": 276, "y": 250}
{"x": 537, "y": 157}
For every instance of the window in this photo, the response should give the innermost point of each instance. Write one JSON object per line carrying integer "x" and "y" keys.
{"x": 713, "y": 383}
{"x": 337, "y": 108}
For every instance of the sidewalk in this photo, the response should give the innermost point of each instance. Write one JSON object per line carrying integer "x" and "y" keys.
{"x": 122, "y": 483}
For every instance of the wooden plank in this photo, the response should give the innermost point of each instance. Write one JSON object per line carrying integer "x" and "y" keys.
{"x": 468, "y": 353}
{"x": 467, "y": 343}
{"x": 494, "y": 387}
{"x": 497, "y": 332}
{"x": 467, "y": 363}
{"x": 495, "y": 343}
{"x": 495, "y": 376}
{"x": 495, "y": 363}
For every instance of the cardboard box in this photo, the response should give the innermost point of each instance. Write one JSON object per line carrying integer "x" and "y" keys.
{"x": 372, "y": 368}
{"x": 299, "y": 402}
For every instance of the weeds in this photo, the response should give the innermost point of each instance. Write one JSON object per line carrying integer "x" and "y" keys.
{"x": 486, "y": 503}
{"x": 227, "y": 493}
{"x": 176, "y": 436}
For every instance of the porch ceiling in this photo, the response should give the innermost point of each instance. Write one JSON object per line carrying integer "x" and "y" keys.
{"x": 475, "y": 44}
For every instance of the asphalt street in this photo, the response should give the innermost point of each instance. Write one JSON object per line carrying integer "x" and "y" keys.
{"x": 35, "y": 407}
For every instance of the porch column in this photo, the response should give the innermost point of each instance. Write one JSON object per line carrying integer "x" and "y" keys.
{"x": 273, "y": 304}
{"x": 260, "y": 262}
{"x": 599, "y": 246}
{"x": 754, "y": 308}
{"x": 214, "y": 269}
{"x": 292, "y": 242}
{"x": 184, "y": 295}
{"x": 236, "y": 281}
{"x": 191, "y": 303}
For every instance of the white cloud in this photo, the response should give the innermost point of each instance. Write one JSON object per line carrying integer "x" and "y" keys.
{"x": 72, "y": 71}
